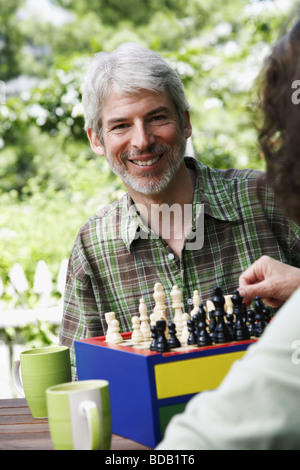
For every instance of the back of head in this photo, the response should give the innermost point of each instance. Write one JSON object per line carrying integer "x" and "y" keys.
{"x": 127, "y": 70}
{"x": 279, "y": 135}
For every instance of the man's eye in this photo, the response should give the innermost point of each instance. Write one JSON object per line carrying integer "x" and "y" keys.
{"x": 159, "y": 117}
{"x": 120, "y": 126}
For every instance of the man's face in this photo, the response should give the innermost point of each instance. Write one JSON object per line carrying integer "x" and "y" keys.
{"x": 142, "y": 139}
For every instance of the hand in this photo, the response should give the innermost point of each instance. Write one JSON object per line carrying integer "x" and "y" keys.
{"x": 272, "y": 280}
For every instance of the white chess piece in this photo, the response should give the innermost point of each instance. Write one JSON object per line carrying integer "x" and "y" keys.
{"x": 160, "y": 308}
{"x": 228, "y": 304}
{"x": 185, "y": 331}
{"x": 109, "y": 317}
{"x": 115, "y": 336}
{"x": 196, "y": 303}
{"x": 144, "y": 319}
{"x": 137, "y": 335}
{"x": 178, "y": 306}
{"x": 159, "y": 297}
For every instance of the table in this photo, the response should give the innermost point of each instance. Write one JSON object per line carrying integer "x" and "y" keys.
{"x": 20, "y": 431}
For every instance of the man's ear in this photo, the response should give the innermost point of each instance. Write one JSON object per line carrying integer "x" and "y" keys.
{"x": 95, "y": 142}
{"x": 187, "y": 125}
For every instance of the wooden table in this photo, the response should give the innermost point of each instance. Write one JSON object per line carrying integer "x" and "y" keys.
{"x": 20, "y": 431}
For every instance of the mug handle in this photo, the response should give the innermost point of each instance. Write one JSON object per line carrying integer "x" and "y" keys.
{"x": 16, "y": 378}
{"x": 89, "y": 410}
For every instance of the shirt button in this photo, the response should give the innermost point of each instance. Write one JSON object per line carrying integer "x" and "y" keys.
{"x": 171, "y": 256}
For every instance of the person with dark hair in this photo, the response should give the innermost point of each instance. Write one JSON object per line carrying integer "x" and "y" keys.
{"x": 257, "y": 404}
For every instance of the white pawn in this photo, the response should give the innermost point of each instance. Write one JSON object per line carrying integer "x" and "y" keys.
{"x": 228, "y": 304}
{"x": 109, "y": 317}
{"x": 137, "y": 335}
{"x": 115, "y": 336}
{"x": 178, "y": 306}
{"x": 145, "y": 327}
{"x": 185, "y": 331}
{"x": 196, "y": 303}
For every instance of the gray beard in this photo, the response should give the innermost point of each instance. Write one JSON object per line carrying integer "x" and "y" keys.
{"x": 148, "y": 187}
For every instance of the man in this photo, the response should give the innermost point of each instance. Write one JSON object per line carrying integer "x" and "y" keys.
{"x": 137, "y": 116}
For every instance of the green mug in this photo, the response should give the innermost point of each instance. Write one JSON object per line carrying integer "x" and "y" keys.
{"x": 40, "y": 369}
{"x": 79, "y": 415}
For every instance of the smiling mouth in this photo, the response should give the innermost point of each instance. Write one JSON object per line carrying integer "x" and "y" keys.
{"x": 148, "y": 162}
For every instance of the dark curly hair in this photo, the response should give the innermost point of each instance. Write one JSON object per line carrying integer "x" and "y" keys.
{"x": 279, "y": 134}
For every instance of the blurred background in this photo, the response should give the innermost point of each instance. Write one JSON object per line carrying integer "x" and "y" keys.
{"x": 50, "y": 181}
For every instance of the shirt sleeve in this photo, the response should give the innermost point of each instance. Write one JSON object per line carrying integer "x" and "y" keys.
{"x": 257, "y": 404}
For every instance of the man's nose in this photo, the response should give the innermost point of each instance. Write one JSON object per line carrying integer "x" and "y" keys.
{"x": 142, "y": 136}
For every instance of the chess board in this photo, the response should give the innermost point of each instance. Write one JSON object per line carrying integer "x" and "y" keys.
{"x": 151, "y": 380}
{"x": 147, "y": 387}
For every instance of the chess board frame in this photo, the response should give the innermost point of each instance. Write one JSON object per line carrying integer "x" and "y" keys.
{"x": 146, "y": 387}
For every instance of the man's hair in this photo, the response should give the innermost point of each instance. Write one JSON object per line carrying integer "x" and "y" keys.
{"x": 128, "y": 70}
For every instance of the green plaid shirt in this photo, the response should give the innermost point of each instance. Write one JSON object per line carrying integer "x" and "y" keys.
{"x": 111, "y": 268}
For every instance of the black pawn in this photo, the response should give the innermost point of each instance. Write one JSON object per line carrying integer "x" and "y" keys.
{"x": 241, "y": 331}
{"x": 221, "y": 333}
{"x": 192, "y": 339}
{"x": 153, "y": 336}
{"x": 212, "y": 323}
{"x": 251, "y": 322}
{"x": 203, "y": 337}
{"x": 259, "y": 319}
{"x": 173, "y": 340}
{"x": 161, "y": 340}
{"x": 266, "y": 315}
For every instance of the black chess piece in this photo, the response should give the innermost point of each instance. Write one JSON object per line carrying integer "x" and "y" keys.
{"x": 153, "y": 336}
{"x": 192, "y": 339}
{"x": 203, "y": 337}
{"x": 266, "y": 314}
{"x": 251, "y": 321}
{"x": 230, "y": 323}
{"x": 173, "y": 340}
{"x": 221, "y": 332}
{"x": 212, "y": 323}
{"x": 240, "y": 332}
{"x": 259, "y": 318}
{"x": 161, "y": 340}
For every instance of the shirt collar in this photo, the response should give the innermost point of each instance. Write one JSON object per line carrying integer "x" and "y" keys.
{"x": 210, "y": 190}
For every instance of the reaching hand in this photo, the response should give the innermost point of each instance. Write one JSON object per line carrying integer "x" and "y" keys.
{"x": 272, "y": 280}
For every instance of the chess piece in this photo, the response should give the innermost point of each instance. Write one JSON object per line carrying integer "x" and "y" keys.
{"x": 159, "y": 297}
{"x": 115, "y": 336}
{"x": 221, "y": 332}
{"x": 161, "y": 340}
{"x": 173, "y": 340}
{"x": 266, "y": 315}
{"x": 240, "y": 332}
{"x": 259, "y": 320}
{"x": 144, "y": 319}
{"x": 196, "y": 303}
{"x": 177, "y": 305}
{"x": 251, "y": 322}
{"x": 160, "y": 307}
{"x": 137, "y": 335}
{"x": 109, "y": 316}
{"x": 192, "y": 338}
{"x": 185, "y": 331}
{"x": 154, "y": 337}
{"x": 229, "y": 314}
{"x": 203, "y": 337}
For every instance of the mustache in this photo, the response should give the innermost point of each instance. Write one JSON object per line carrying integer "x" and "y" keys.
{"x": 152, "y": 149}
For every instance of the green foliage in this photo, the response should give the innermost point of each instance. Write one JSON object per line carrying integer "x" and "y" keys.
{"x": 50, "y": 181}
